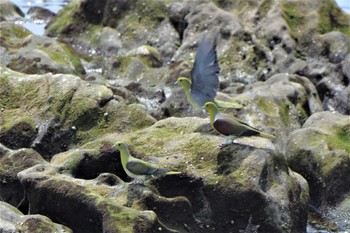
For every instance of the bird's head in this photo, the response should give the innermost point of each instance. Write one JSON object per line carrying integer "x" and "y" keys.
{"x": 120, "y": 146}
{"x": 210, "y": 107}
{"x": 185, "y": 83}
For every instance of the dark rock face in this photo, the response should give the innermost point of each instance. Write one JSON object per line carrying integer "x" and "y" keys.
{"x": 13, "y": 162}
{"x": 18, "y": 136}
{"x": 106, "y": 72}
{"x": 324, "y": 159}
{"x": 40, "y": 13}
{"x": 232, "y": 185}
{"x": 13, "y": 220}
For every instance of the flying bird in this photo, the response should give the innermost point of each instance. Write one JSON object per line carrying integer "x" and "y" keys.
{"x": 205, "y": 77}
{"x": 136, "y": 167}
{"x": 229, "y": 125}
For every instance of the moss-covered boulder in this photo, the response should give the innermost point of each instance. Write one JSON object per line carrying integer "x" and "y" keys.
{"x": 12, "y": 162}
{"x": 86, "y": 22}
{"x": 54, "y": 112}
{"x": 323, "y": 17}
{"x": 13, "y": 220}
{"x": 33, "y": 54}
{"x": 9, "y": 11}
{"x": 320, "y": 151}
{"x": 40, "y": 13}
{"x": 85, "y": 205}
{"x": 255, "y": 186}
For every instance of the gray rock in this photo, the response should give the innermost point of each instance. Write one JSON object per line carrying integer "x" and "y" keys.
{"x": 285, "y": 61}
{"x": 338, "y": 45}
{"x": 320, "y": 152}
{"x": 83, "y": 205}
{"x": 139, "y": 22}
{"x": 12, "y": 220}
{"x": 33, "y": 54}
{"x": 346, "y": 68}
{"x": 40, "y": 13}
{"x": 248, "y": 171}
{"x": 10, "y": 12}
{"x": 12, "y": 162}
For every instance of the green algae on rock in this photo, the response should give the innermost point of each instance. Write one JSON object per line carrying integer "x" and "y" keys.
{"x": 320, "y": 152}
{"x": 14, "y": 220}
{"x": 184, "y": 144}
{"x": 33, "y": 54}
{"x": 12, "y": 162}
{"x": 63, "y": 107}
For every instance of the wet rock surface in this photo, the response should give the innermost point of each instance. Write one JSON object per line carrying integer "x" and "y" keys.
{"x": 105, "y": 71}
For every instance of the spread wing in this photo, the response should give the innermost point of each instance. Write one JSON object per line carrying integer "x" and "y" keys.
{"x": 139, "y": 167}
{"x": 205, "y": 71}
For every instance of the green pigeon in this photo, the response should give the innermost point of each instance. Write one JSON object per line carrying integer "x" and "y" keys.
{"x": 136, "y": 167}
{"x": 205, "y": 77}
{"x": 229, "y": 125}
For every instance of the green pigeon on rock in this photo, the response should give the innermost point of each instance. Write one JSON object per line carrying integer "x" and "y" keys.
{"x": 229, "y": 125}
{"x": 205, "y": 77}
{"x": 136, "y": 168}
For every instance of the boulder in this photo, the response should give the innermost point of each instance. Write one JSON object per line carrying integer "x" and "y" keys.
{"x": 53, "y": 112}
{"x": 12, "y": 162}
{"x": 255, "y": 186}
{"x": 37, "y": 13}
{"x": 34, "y": 54}
{"x": 12, "y": 220}
{"x": 10, "y": 11}
{"x": 320, "y": 151}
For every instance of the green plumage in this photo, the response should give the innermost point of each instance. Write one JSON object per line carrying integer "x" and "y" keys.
{"x": 229, "y": 125}
{"x": 136, "y": 167}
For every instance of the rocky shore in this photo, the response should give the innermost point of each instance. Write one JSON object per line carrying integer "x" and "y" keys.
{"x": 105, "y": 71}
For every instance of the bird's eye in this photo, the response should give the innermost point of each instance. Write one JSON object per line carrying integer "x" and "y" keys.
{"x": 119, "y": 144}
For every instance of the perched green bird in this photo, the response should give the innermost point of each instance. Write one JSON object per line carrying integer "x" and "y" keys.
{"x": 136, "y": 167}
{"x": 205, "y": 77}
{"x": 229, "y": 125}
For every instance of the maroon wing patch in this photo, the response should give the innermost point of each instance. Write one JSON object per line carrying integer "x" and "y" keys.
{"x": 226, "y": 128}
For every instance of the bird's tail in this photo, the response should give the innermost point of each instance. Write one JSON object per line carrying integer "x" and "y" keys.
{"x": 225, "y": 104}
{"x": 172, "y": 173}
{"x": 164, "y": 171}
{"x": 266, "y": 135}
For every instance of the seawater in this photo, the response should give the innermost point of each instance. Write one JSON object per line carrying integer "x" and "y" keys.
{"x": 38, "y": 27}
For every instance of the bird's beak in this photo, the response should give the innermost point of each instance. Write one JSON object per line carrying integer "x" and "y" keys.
{"x": 113, "y": 147}
{"x": 175, "y": 83}
{"x": 203, "y": 107}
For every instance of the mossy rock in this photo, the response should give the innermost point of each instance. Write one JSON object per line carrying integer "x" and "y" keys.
{"x": 9, "y": 11}
{"x": 12, "y": 162}
{"x": 188, "y": 145}
{"x": 14, "y": 220}
{"x": 324, "y": 17}
{"x": 85, "y": 205}
{"x": 64, "y": 109}
{"x": 65, "y": 19}
{"x": 17, "y": 129}
{"x": 33, "y": 54}
{"x": 129, "y": 18}
{"x": 320, "y": 152}
{"x": 332, "y": 18}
